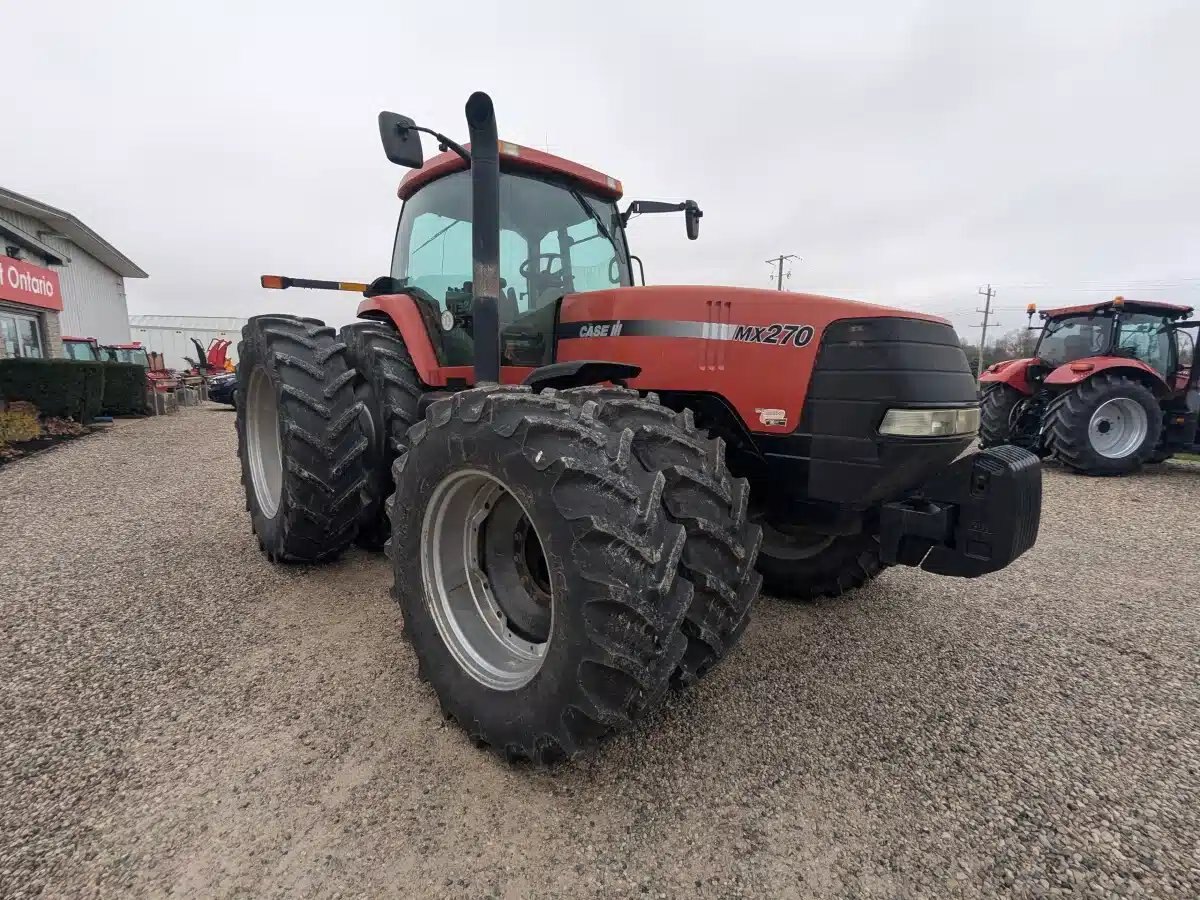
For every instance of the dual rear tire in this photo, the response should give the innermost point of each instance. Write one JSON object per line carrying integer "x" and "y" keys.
{"x": 300, "y": 439}
{"x": 560, "y": 559}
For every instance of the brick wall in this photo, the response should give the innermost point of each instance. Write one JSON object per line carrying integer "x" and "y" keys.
{"x": 52, "y": 335}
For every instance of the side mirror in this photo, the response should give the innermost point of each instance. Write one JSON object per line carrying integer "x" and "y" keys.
{"x": 401, "y": 142}
{"x": 691, "y": 217}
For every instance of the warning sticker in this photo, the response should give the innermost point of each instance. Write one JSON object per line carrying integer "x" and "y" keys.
{"x": 773, "y": 417}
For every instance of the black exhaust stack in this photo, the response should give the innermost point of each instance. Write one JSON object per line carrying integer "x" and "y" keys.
{"x": 485, "y": 236}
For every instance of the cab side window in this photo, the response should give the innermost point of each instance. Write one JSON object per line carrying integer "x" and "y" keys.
{"x": 1143, "y": 336}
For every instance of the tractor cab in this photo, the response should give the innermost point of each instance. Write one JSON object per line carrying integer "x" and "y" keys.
{"x": 1142, "y": 331}
{"x": 81, "y": 349}
{"x": 560, "y": 233}
{"x": 126, "y": 353}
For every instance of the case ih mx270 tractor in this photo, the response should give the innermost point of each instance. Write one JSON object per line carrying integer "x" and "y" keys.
{"x": 581, "y": 484}
{"x": 1110, "y": 386}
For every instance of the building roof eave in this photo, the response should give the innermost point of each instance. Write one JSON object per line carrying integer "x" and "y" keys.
{"x": 71, "y": 228}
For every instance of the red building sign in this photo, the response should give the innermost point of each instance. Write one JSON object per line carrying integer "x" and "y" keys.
{"x": 31, "y": 285}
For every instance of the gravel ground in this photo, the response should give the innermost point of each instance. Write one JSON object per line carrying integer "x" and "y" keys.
{"x": 180, "y": 717}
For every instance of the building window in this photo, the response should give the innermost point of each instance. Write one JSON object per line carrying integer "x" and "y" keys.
{"x": 22, "y": 336}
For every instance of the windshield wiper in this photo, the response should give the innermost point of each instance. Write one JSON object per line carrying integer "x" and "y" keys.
{"x": 594, "y": 216}
{"x": 435, "y": 237}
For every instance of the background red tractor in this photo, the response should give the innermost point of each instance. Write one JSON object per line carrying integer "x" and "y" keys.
{"x": 581, "y": 484}
{"x": 158, "y": 377}
{"x": 81, "y": 349}
{"x": 1111, "y": 386}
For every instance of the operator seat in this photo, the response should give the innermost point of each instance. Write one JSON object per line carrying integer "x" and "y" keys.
{"x": 1077, "y": 346}
{"x": 506, "y": 304}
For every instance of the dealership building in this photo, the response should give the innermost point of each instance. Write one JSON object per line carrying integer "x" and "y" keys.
{"x": 57, "y": 277}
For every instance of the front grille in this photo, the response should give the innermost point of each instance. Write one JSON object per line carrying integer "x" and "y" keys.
{"x": 865, "y": 367}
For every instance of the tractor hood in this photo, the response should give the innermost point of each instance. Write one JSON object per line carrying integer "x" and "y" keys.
{"x": 697, "y": 302}
{"x": 764, "y": 352}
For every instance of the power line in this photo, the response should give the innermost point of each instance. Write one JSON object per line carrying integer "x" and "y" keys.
{"x": 1102, "y": 285}
{"x": 776, "y": 263}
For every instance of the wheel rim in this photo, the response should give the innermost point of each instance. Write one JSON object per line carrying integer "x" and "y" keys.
{"x": 489, "y": 599}
{"x": 1118, "y": 427}
{"x": 262, "y": 442}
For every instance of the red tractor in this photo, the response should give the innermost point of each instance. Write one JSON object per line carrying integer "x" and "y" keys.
{"x": 81, "y": 349}
{"x": 1110, "y": 386}
{"x": 158, "y": 377}
{"x": 581, "y": 484}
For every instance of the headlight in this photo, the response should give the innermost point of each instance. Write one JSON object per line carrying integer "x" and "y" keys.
{"x": 930, "y": 422}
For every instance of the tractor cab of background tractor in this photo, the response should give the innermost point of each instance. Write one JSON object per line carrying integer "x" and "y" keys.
{"x": 81, "y": 349}
{"x": 126, "y": 353}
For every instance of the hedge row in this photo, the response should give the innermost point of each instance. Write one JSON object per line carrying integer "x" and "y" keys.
{"x": 75, "y": 390}
{"x": 124, "y": 389}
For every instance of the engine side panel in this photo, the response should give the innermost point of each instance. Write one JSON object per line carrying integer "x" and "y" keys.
{"x": 755, "y": 348}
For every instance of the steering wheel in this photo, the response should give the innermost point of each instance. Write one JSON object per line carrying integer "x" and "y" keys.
{"x": 526, "y": 268}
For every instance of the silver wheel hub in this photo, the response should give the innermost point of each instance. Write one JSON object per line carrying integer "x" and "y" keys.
{"x": 486, "y": 585}
{"x": 263, "y": 446}
{"x": 1118, "y": 428}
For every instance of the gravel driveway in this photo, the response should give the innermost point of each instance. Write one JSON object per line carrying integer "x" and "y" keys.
{"x": 179, "y": 716}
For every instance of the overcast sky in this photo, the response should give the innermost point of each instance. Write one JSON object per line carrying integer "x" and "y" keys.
{"x": 908, "y": 151}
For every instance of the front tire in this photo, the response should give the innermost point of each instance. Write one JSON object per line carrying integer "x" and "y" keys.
{"x": 995, "y": 414}
{"x": 540, "y": 688}
{"x": 1108, "y": 425}
{"x": 799, "y": 565}
{"x": 300, "y": 439}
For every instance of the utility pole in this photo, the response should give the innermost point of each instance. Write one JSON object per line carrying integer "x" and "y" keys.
{"x": 776, "y": 262}
{"x": 987, "y": 293}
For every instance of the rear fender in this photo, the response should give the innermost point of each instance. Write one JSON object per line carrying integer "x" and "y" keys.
{"x": 1013, "y": 372}
{"x": 401, "y": 310}
{"x": 1080, "y": 370}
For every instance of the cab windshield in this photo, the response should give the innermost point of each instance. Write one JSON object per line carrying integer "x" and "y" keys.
{"x": 555, "y": 239}
{"x": 1075, "y": 337}
{"x": 126, "y": 355}
{"x": 79, "y": 350}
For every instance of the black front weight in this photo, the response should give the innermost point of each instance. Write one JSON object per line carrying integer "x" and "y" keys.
{"x": 976, "y": 517}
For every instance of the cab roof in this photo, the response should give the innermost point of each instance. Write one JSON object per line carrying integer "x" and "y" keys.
{"x": 514, "y": 157}
{"x": 1172, "y": 310}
